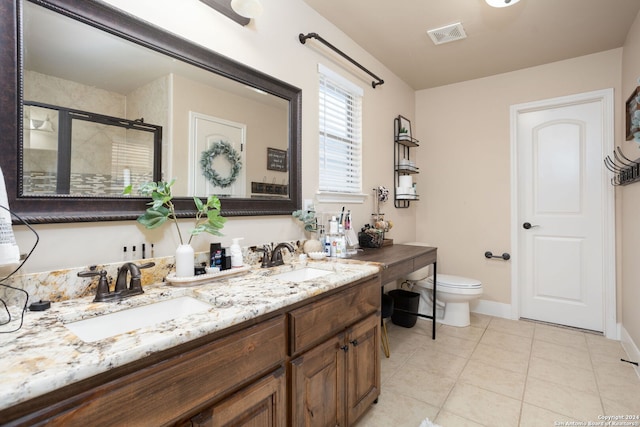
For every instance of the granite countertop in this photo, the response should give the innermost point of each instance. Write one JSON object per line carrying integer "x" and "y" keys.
{"x": 44, "y": 355}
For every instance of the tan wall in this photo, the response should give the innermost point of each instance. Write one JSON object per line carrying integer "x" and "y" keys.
{"x": 630, "y": 199}
{"x": 465, "y": 158}
{"x": 269, "y": 44}
{"x": 264, "y": 125}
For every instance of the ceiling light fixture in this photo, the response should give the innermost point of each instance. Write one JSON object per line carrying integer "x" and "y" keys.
{"x": 501, "y": 3}
{"x": 248, "y": 8}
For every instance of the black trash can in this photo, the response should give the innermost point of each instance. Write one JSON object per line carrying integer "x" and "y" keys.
{"x": 404, "y": 304}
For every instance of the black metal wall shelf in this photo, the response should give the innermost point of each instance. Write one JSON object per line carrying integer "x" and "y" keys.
{"x": 403, "y": 143}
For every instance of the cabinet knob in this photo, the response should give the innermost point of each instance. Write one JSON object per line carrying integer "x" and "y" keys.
{"x": 354, "y": 342}
{"x": 344, "y": 348}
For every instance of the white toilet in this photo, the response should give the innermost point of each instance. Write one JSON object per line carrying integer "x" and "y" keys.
{"x": 454, "y": 291}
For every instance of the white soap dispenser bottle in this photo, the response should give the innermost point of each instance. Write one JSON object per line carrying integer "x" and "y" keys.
{"x": 236, "y": 253}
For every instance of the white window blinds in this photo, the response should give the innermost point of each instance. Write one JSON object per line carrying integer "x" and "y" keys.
{"x": 340, "y": 133}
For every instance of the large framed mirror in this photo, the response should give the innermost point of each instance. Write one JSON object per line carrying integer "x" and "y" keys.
{"x": 92, "y": 99}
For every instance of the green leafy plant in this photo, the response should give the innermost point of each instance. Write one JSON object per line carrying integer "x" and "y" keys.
{"x": 162, "y": 209}
{"x": 308, "y": 218}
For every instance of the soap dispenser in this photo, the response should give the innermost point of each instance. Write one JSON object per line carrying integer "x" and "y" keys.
{"x": 236, "y": 253}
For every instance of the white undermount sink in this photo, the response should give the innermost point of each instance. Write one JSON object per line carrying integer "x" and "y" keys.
{"x": 301, "y": 275}
{"x": 112, "y": 324}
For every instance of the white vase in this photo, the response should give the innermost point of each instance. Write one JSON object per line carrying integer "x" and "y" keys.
{"x": 185, "y": 261}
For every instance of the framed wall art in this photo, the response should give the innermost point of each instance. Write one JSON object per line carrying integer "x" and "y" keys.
{"x": 632, "y": 114}
{"x": 276, "y": 159}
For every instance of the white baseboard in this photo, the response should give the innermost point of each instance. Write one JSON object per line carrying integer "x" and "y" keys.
{"x": 491, "y": 308}
{"x": 630, "y": 347}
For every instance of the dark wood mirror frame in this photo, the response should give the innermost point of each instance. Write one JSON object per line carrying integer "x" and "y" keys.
{"x": 63, "y": 209}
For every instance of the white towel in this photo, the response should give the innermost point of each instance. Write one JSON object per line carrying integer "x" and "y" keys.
{"x": 427, "y": 423}
{"x": 9, "y": 251}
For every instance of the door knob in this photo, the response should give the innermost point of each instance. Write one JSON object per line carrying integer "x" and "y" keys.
{"x": 528, "y": 225}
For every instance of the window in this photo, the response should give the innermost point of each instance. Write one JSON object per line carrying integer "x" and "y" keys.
{"x": 340, "y": 123}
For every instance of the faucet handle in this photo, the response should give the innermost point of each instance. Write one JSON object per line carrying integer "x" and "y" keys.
{"x": 265, "y": 255}
{"x": 102, "y": 293}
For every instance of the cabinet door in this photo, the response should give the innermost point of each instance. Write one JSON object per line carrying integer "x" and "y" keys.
{"x": 363, "y": 366}
{"x": 318, "y": 382}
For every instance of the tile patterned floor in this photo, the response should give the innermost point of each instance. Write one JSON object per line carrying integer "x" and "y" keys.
{"x": 500, "y": 372}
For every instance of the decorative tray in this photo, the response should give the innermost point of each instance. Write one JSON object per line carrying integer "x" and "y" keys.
{"x": 201, "y": 279}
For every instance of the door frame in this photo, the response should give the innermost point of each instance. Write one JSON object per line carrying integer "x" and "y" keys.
{"x": 606, "y": 98}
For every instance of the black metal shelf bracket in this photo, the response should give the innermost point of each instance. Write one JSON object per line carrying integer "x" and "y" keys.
{"x": 303, "y": 39}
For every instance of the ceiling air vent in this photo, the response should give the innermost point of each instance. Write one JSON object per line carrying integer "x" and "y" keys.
{"x": 449, "y": 33}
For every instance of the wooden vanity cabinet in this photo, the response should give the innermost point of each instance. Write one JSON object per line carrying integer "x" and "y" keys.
{"x": 260, "y": 404}
{"x": 313, "y": 364}
{"x": 173, "y": 390}
{"x": 336, "y": 376}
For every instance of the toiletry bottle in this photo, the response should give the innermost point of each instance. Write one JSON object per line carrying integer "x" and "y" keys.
{"x": 327, "y": 245}
{"x": 341, "y": 246}
{"x": 333, "y": 226}
{"x": 236, "y": 253}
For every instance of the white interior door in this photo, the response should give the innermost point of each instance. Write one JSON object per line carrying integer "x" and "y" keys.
{"x": 563, "y": 227}
{"x": 204, "y": 132}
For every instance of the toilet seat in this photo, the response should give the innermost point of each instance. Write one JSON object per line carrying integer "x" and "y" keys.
{"x": 450, "y": 281}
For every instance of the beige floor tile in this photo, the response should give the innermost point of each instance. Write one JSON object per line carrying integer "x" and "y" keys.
{"x": 598, "y": 344}
{"x": 426, "y": 386}
{"x": 615, "y": 407}
{"x": 623, "y": 389}
{"x": 422, "y": 327}
{"x": 448, "y": 419}
{"x": 490, "y": 378}
{"x": 496, "y": 373}
{"x": 532, "y": 416}
{"x": 563, "y": 374}
{"x": 505, "y": 341}
{"x": 479, "y": 320}
{"x": 562, "y": 336}
{"x": 563, "y": 354}
{"x": 516, "y": 361}
{"x": 437, "y": 362}
{"x": 388, "y": 367}
{"x": 470, "y": 333}
{"x": 483, "y": 406}
{"x": 514, "y": 327}
{"x": 452, "y": 345}
{"x": 612, "y": 355}
{"x": 397, "y": 410}
{"x": 613, "y": 366}
{"x": 402, "y": 342}
{"x": 575, "y": 404}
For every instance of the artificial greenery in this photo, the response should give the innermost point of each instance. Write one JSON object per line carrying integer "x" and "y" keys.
{"x": 225, "y": 149}
{"x": 162, "y": 209}
{"x": 308, "y": 218}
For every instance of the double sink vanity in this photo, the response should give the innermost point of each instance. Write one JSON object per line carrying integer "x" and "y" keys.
{"x": 291, "y": 345}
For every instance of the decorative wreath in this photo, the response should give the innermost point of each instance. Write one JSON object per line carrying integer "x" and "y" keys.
{"x": 206, "y": 158}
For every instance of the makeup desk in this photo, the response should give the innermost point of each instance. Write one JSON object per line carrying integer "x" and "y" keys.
{"x": 400, "y": 260}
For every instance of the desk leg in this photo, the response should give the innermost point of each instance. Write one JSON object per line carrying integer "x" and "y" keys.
{"x": 435, "y": 305}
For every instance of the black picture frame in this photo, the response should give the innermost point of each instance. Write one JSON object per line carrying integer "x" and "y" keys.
{"x": 276, "y": 160}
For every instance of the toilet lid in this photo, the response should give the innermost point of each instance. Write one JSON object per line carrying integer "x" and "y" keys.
{"x": 450, "y": 281}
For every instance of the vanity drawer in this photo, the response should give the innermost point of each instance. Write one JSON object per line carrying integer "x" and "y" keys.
{"x": 397, "y": 271}
{"x": 169, "y": 390}
{"x": 319, "y": 320}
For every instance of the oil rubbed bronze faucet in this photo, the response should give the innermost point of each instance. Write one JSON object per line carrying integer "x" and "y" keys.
{"x": 273, "y": 257}
{"x": 121, "y": 290}
{"x": 276, "y": 254}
